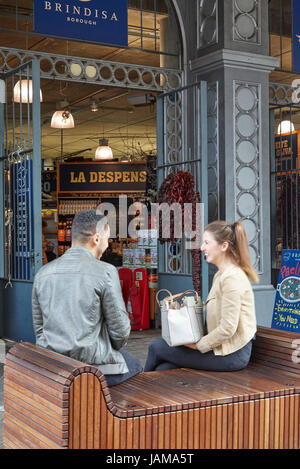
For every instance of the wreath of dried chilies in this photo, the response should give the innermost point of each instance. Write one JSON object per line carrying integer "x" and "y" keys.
{"x": 179, "y": 188}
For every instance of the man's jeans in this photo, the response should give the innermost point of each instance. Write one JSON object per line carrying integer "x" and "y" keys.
{"x": 134, "y": 367}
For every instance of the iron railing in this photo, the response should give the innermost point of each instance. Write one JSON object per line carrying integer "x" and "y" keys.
{"x": 20, "y": 177}
{"x": 285, "y": 181}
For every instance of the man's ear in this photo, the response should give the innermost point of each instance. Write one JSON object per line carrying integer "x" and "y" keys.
{"x": 95, "y": 239}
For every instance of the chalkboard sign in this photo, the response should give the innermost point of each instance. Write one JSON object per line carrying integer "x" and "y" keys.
{"x": 286, "y": 313}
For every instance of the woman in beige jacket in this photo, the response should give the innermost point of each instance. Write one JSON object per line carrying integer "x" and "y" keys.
{"x": 230, "y": 310}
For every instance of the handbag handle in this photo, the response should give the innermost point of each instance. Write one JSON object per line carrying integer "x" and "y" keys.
{"x": 171, "y": 298}
{"x": 163, "y": 289}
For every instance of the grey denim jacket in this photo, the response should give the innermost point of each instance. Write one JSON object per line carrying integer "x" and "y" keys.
{"x": 78, "y": 310}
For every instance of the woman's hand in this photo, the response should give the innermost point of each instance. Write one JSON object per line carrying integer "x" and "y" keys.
{"x": 193, "y": 346}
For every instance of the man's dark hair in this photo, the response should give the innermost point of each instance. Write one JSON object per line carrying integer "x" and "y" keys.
{"x": 85, "y": 225}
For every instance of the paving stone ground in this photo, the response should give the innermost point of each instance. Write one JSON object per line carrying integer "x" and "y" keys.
{"x": 137, "y": 344}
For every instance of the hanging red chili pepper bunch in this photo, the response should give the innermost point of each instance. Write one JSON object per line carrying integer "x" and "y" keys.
{"x": 179, "y": 188}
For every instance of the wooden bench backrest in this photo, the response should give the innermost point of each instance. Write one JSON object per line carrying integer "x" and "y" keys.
{"x": 277, "y": 349}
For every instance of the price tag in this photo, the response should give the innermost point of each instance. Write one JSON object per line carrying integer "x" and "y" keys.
{"x": 139, "y": 275}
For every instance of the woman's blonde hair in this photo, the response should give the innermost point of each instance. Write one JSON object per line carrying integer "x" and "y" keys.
{"x": 236, "y": 237}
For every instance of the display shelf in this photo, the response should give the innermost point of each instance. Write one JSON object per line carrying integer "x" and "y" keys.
{"x": 67, "y": 207}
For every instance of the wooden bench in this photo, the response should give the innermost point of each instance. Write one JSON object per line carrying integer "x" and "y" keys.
{"x": 52, "y": 401}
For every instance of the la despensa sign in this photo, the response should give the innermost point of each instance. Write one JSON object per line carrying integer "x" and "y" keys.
{"x": 100, "y": 21}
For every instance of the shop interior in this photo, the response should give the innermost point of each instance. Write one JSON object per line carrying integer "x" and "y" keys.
{"x": 125, "y": 119}
{"x": 107, "y": 125}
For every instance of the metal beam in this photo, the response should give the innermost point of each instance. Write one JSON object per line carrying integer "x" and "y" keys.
{"x": 103, "y": 72}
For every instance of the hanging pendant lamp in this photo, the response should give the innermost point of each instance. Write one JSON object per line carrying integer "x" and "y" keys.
{"x": 62, "y": 120}
{"x": 285, "y": 127}
{"x": 23, "y": 92}
{"x": 103, "y": 151}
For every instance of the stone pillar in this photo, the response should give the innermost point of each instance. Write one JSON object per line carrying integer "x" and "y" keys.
{"x": 232, "y": 56}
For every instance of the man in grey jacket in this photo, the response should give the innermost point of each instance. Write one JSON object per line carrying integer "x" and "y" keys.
{"x": 77, "y": 304}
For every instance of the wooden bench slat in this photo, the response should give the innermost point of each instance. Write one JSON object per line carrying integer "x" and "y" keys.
{"x": 275, "y": 360}
{"x": 34, "y": 368}
{"x": 48, "y": 363}
{"x": 25, "y": 431}
{"x": 41, "y": 426}
{"x": 38, "y": 394}
{"x": 286, "y": 350}
{"x": 16, "y": 367}
{"x": 36, "y": 411}
{"x": 14, "y": 439}
{"x": 261, "y": 359}
{"x": 63, "y": 359}
{"x": 268, "y": 332}
{"x": 29, "y": 397}
{"x": 284, "y": 347}
{"x": 32, "y": 382}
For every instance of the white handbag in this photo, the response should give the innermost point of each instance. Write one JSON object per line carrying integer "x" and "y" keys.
{"x": 181, "y": 323}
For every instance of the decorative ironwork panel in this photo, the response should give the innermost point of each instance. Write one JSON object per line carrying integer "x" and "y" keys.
{"x": 174, "y": 260}
{"x": 78, "y": 69}
{"x": 280, "y": 93}
{"x": 247, "y": 148}
{"x": 207, "y": 23}
{"x": 213, "y": 151}
{"x": 173, "y": 128}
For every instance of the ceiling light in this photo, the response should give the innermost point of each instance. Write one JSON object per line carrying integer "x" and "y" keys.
{"x": 62, "y": 120}
{"x": 103, "y": 151}
{"x": 94, "y": 106}
{"x": 285, "y": 127}
{"x": 124, "y": 159}
{"x": 23, "y": 92}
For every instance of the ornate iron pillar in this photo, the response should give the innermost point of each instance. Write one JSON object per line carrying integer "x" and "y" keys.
{"x": 232, "y": 43}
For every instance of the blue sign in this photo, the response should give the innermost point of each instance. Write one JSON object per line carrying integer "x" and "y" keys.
{"x": 100, "y": 21}
{"x": 22, "y": 206}
{"x": 296, "y": 36}
{"x": 286, "y": 313}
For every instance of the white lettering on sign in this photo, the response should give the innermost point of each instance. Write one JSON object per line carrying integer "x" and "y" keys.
{"x": 77, "y": 10}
